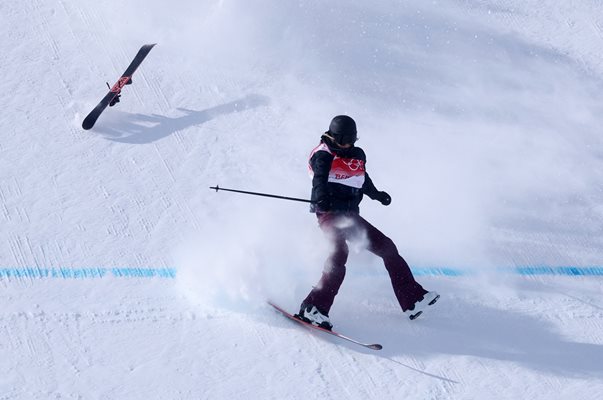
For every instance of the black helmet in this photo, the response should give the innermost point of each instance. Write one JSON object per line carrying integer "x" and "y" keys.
{"x": 343, "y": 130}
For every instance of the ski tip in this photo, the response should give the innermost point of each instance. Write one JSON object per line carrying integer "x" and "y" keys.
{"x": 87, "y": 125}
{"x": 269, "y": 302}
{"x": 375, "y": 346}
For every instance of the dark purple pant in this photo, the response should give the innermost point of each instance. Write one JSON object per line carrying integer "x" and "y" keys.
{"x": 342, "y": 227}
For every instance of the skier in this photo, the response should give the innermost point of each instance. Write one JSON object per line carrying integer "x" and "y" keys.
{"x": 339, "y": 181}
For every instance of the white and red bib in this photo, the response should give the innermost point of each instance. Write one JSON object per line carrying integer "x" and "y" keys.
{"x": 345, "y": 171}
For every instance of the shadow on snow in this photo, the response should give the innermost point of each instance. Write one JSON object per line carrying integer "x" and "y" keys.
{"x": 142, "y": 129}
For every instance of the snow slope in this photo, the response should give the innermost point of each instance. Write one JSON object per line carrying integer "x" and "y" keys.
{"x": 123, "y": 276}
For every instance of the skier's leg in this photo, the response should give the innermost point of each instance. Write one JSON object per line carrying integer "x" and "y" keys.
{"x": 323, "y": 294}
{"x": 406, "y": 288}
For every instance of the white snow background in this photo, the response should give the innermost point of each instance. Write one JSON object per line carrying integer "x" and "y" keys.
{"x": 482, "y": 119}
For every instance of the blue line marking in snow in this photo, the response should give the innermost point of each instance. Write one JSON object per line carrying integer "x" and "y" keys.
{"x": 170, "y": 273}
{"x": 437, "y": 271}
{"x": 86, "y": 273}
{"x": 571, "y": 271}
{"x": 524, "y": 270}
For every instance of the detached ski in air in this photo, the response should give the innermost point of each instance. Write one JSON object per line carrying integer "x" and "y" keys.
{"x": 114, "y": 94}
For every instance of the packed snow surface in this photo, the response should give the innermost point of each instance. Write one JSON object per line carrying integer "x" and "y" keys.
{"x": 122, "y": 276}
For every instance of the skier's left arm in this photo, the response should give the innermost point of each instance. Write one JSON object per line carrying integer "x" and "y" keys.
{"x": 371, "y": 191}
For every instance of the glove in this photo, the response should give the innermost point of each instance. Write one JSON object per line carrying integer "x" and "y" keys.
{"x": 323, "y": 204}
{"x": 383, "y": 198}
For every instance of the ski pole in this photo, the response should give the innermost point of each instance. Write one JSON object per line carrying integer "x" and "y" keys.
{"x": 274, "y": 196}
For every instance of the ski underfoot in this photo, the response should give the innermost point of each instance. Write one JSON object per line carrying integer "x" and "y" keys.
{"x": 330, "y": 332}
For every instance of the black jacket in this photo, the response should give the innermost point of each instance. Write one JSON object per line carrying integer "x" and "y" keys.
{"x": 339, "y": 178}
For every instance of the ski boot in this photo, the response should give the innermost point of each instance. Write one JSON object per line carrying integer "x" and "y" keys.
{"x": 310, "y": 314}
{"x": 429, "y": 299}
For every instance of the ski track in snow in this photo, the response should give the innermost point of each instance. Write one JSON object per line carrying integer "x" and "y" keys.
{"x": 481, "y": 118}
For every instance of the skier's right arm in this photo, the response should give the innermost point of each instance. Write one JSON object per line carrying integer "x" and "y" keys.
{"x": 321, "y": 166}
